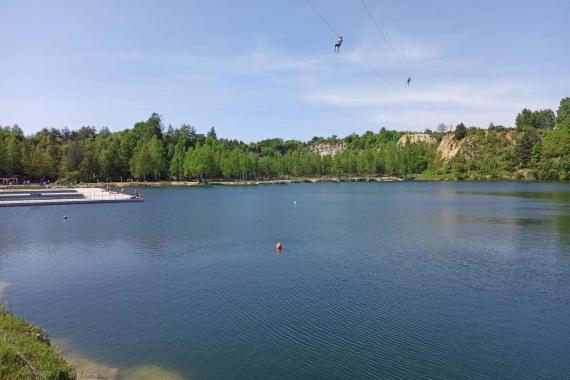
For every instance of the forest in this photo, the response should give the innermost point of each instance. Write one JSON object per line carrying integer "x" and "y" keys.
{"x": 537, "y": 147}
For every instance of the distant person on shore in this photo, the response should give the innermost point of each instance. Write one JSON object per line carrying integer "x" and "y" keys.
{"x": 337, "y": 44}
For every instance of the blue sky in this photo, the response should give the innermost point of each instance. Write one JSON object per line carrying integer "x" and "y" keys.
{"x": 260, "y": 69}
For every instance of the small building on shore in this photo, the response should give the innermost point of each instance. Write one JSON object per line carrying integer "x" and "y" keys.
{"x": 9, "y": 181}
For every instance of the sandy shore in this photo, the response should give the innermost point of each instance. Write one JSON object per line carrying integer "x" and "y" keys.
{"x": 88, "y": 369}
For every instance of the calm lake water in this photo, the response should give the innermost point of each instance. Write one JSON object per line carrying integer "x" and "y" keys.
{"x": 376, "y": 280}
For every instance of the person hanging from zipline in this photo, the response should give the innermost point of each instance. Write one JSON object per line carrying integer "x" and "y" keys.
{"x": 408, "y": 81}
{"x": 337, "y": 44}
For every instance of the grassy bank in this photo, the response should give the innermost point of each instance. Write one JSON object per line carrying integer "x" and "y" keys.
{"x": 26, "y": 352}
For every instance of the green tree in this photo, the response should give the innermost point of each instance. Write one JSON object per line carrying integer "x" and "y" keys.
{"x": 460, "y": 131}
{"x": 199, "y": 162}
{"x": 3, "y": 137}
{"x": 555, "y": 160}
{"x": 178, "y": 157}
{"x": 212, "y": 137}
{"x": 72, "y": 155}
{"x": 523, "y": 149}
{"x": 13, "y": 155}
{"x": 563, "y": 114}
{"x": 525, "y": 119}
{"x": 230, "y": 164}
{"x": 149, "y": 160}
{"x": 89, "y": 167}
{"x": 42, "y": 165}
{"x": 544, "y": 119}
{"x": 366, "y": 164}
{"x": 144, "y": 131}
{"x": 110, "y": 160}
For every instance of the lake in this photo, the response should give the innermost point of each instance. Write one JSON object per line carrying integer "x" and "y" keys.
{"x": 411, "y": 280}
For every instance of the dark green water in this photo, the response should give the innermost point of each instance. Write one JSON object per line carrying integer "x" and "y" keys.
{"x": 396, "y": 280}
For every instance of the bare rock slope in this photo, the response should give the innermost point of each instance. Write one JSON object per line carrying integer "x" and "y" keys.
{"x": 328, "y": 149}
{"x": 415, "y": 138}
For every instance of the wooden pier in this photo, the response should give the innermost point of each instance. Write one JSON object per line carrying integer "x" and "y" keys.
{"x": 63, "y": 196}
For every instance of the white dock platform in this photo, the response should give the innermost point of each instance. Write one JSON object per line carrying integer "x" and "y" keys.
{"x": 61, "y": 196}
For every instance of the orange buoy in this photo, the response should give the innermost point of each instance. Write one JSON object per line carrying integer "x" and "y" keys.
{"x": 278, "y": 246}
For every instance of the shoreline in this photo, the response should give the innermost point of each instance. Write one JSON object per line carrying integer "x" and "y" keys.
{"x": 90, "y": 369}
{"x": 247, "y": 182}
{"x": 301, "y": 180}
{"x": 212, "y": 182}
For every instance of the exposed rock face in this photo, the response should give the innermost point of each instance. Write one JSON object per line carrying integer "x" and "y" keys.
{"x": 328, "y": 149}
{"x": 449, "y": 147}
{"x": 526, "y": 174}
{"x": 473, "y": 145}
{"x": 415, "y": 138}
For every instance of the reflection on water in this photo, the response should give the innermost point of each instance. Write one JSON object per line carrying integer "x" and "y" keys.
{"x": 557, "y": 196}
{"x": 563, "y": 224}
{"x": 3, "y": 286}
{"x": 376, "y": 280}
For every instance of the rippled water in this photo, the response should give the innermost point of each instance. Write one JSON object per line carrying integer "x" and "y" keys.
{"x": 394, "y": 280}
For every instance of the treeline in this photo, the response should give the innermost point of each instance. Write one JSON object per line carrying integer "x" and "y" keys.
{"x": 148, "y": 151}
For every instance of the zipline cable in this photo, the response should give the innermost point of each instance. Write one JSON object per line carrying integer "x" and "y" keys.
{"x": 350, "y": 47}
{"x": 383, "y": 35}
{"x": 390, "y": 47}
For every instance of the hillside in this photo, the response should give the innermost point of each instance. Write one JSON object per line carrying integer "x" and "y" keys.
{"x": 537, "y": 148}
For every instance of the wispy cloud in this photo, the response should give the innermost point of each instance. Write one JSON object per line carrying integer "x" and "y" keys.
{"x": 271, "y": 59}
{"x": 399, "y": 51}
{"x": 413, "y": 119}
{"x": 464, "y": 95}
{"x": 476, "y": 103}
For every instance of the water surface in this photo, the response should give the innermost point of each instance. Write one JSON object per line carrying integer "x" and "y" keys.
{"x": 376, "y": 280}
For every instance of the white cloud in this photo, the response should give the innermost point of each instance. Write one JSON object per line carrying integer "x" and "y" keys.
{"x": 400, "y": 51}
